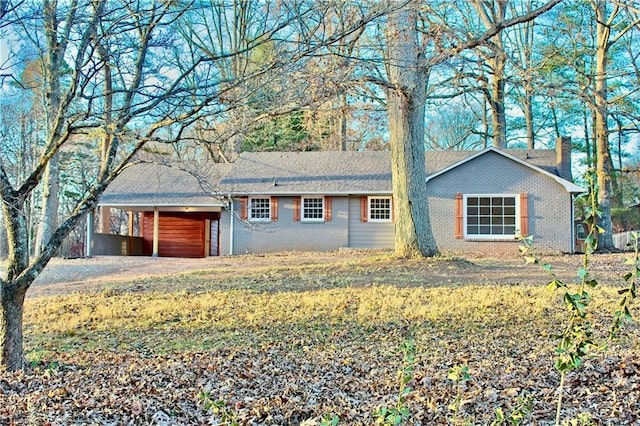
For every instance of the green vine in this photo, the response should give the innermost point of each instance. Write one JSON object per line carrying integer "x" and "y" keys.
{"x": 398, "y": 414}
{"x": 575, "y": 339}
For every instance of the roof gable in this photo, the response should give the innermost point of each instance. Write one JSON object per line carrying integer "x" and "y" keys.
{"x": 544, "y": 170}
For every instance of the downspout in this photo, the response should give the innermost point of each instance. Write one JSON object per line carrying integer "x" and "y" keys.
{"x": 231, "y": 226}
{"x": 573, "y": 223}
{"x": 89, "y": 240}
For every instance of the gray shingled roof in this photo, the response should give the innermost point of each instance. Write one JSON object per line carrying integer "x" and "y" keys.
{"x": 152, "y": 184}
{"x": 325, "y": 172}
{"x": 328, "y": 172}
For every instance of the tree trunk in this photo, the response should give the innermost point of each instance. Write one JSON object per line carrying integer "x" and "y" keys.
{"x": 405, "y": 107}
{"x": 491, "y": 13}
{"x": 498, "y": 118}
{"x": 50, "y": 201}
{"x": 11, "y": 313}
{"x": 11, "y": 292}
{"x": 528, "y": 118}
{"x": 603, "y": 159}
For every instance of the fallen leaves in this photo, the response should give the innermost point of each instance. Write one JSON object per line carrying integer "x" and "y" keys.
{"x": 311, "y": 350}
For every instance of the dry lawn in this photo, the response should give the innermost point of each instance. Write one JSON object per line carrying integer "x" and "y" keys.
{"x": 296, "y": 338}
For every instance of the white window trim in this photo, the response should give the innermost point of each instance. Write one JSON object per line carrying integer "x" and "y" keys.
{"x": 503, "y": 237}
{"x": 369, "y": 219}
{"x": 315, "y": 219}
{"x": 249, "y": 210}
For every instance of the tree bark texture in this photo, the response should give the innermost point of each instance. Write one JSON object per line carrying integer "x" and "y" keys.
{"x": 405, "y": 103}
{"x": 11, "y": 291}
{"x": 603, "y": 156}
{"x": 492, "y": 13}
{"x": 50, "y": 202}
{"x": 11, "y": 326}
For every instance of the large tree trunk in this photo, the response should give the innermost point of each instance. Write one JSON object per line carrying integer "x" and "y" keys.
{"x": 12, "y": 307}
{"x": 405, "y": 105}
{"x": 12, "y": 292}
{"x": 603, "y": 158}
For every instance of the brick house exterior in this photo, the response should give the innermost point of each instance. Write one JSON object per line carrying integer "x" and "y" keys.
{"x": 322, "y": 201}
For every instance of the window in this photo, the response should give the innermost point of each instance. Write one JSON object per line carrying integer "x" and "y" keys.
{"x": 491, "y": 216}
{"x": 379, "y": 209}
{"x": 260, "y": 209}
{"x": 312, "y": 209}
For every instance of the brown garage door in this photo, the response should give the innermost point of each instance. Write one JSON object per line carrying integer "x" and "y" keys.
{"x": 180, "y": 234}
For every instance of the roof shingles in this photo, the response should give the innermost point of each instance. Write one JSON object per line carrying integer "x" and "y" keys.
{"x": 284, "y": 173}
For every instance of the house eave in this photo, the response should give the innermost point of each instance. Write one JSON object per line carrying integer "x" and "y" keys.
{"x": 298, "y": 193}
{"x": 166, "y": 207}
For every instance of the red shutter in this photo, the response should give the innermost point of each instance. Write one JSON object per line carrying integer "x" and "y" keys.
{"x": 274, "y": 209}
{"x": 327, "y": 209}
{"x": 524, "y": 214}
{"x": 458, "y": 221}
{"x": 244, "y": 201}
{"x": 364, "y": 209}
{"x": 296, "y": 209}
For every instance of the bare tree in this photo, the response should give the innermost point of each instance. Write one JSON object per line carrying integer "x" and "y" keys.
{"x": 128, "y": 78}
{"x": 145, "y": 106}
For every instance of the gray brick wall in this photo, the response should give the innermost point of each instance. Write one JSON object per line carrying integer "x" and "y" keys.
{"x": 550, "y": 218}
{"x": 549, "y": 211}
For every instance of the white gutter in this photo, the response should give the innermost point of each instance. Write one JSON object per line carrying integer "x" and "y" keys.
{"x": 231, "y": 226}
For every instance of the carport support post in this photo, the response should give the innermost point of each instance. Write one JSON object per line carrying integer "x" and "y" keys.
{"x": 130, "y": 233}
{"x": 156, "y": 230}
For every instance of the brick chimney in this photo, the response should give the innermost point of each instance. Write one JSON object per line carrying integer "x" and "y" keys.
{"x": 563, "y": 157}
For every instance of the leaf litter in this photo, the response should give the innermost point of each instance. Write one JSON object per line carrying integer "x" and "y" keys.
{"x": 306, "y": 341}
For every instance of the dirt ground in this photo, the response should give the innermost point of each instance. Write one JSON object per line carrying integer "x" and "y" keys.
{"x": 64, "y": 276}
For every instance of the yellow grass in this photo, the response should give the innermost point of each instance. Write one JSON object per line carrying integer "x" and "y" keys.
{"x": 215, "y": 314}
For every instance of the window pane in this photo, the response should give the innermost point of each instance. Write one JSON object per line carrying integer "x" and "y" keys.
{"x": 313, "y": 208}
{"x": 380, "y": 209}
{"x": 490, "y": 216}
{"x": 260, "y": 208}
